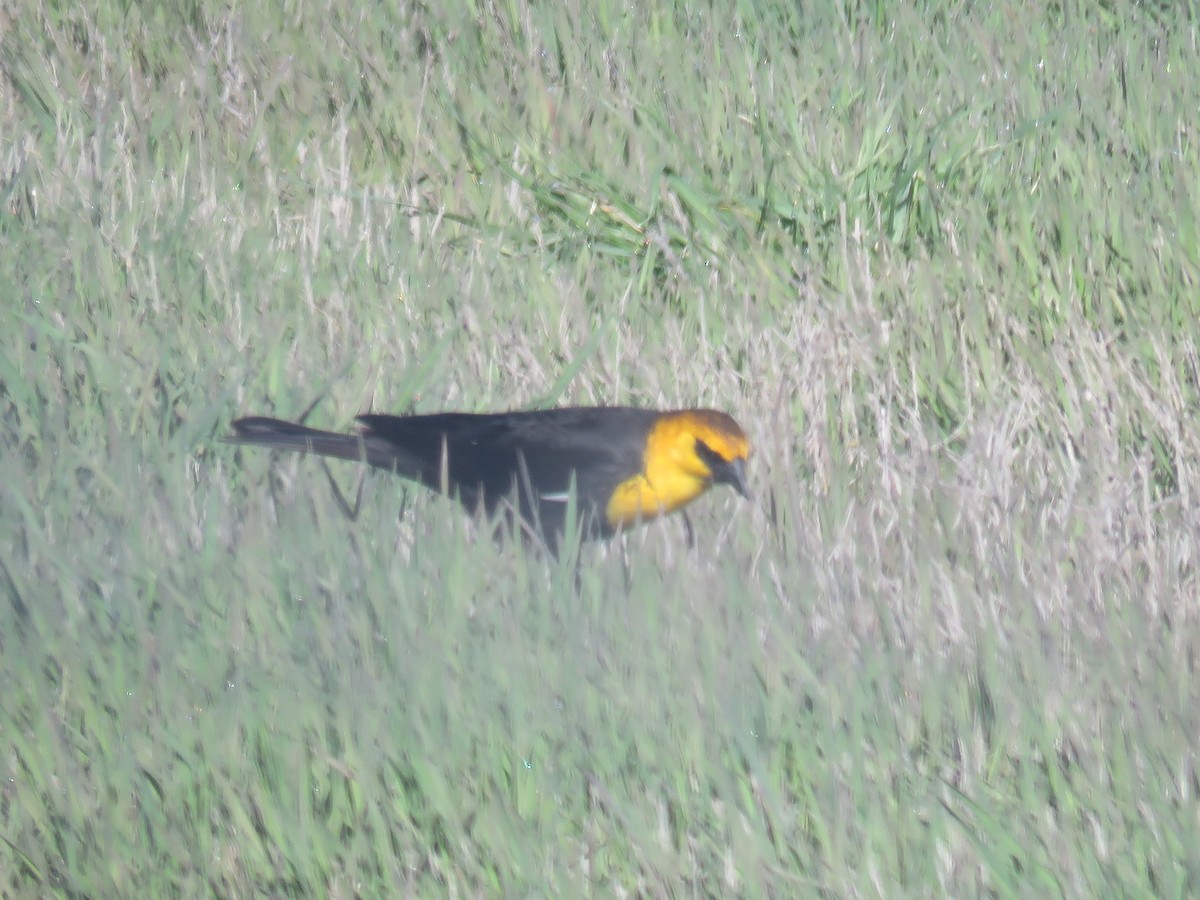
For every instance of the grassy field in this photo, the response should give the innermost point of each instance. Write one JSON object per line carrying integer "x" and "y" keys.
{"x": 941, "y": 260}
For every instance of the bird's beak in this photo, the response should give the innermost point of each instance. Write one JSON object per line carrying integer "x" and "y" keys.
{"x": 733, "y": 474}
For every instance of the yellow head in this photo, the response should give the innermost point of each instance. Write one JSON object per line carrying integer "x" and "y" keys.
{"x": 686, "y": 453}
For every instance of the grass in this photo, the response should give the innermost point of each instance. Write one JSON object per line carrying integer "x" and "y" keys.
{"x": 941, "y": 262}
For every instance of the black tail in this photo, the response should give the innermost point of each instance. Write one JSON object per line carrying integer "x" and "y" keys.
{"x": 261, "y": 431}
{"x": 281, "y": 435}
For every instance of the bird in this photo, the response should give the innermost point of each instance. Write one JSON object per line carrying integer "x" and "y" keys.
{"x": 625, "y": 465}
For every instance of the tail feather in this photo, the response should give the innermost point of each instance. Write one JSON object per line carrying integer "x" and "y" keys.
{"x": 277, "y": 434}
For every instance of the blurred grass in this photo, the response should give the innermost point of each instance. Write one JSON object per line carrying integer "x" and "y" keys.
{"x": 941, "y": 262}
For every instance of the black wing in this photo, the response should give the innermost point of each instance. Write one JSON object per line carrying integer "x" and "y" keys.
{"x": 532, "y": 457}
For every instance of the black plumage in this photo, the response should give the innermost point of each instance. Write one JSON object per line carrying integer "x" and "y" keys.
{"x": 493, "y": 460}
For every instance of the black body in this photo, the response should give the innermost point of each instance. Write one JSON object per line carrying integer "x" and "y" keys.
{"x": 492, "y": 460}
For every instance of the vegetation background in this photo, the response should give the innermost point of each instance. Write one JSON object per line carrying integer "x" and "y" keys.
{"x": 940, "y": 259}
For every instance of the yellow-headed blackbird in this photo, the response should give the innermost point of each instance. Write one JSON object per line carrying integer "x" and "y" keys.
{"x": 625, "y": 465}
